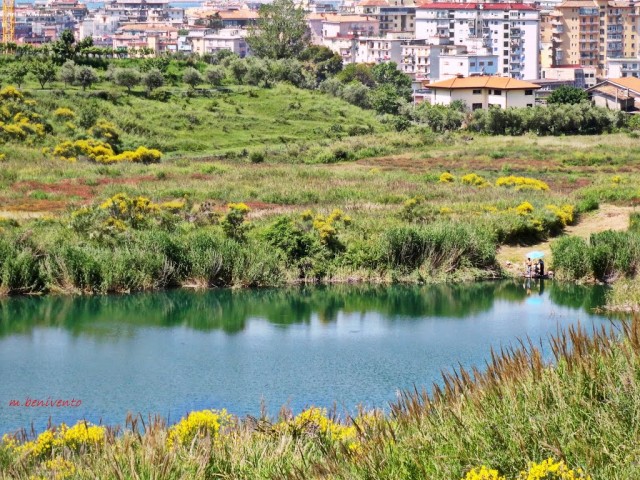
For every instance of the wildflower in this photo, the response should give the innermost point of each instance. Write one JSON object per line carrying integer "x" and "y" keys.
{"x": 521, "y": 183}
{"x": 446, "y": 177}
{"x": 525, "y": 208}
{"x": 206, "y": 423}
{"x": 474, "y": 180}
{"x": 60, "y": 468}
{"x": 483, "y": 473}
{"x": 550, "y": 470}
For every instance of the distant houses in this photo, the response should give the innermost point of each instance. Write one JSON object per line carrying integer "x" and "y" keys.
{"x": 483, "y": 92}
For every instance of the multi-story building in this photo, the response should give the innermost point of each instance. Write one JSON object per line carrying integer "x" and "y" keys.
{"x": 463, "y": 63}
{"x": 594, "y": 30}
{"x": 622, "y": 67}
{"x": 420, "y": 58}
{"x": 510, "y": 30}
{"x": 394, "y": 15}
{"x": 211, "y": 41}
{"x": 579, "y": 76}
{"x": 379, "y": 49}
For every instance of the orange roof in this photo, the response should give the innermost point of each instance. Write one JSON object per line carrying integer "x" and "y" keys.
{"x": 484, "y": 81}
{"x": 373, "y": 3}
{"x": 631, "y": 83}
{"x": 350, "y": 19}
{"x": 238, "y": 14}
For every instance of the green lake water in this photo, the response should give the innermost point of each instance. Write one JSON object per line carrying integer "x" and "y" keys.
{"x": 171, "y": 352}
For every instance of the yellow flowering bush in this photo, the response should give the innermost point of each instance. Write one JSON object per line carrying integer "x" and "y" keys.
{"x": 10, "y": 93}
{"x": 525, "y": 208}
{"x": 316, "y": 419}
{"x": 64, "y": 113}
{"x": 234, "y": 223}
{"x": 475, "y": 180}
{"x": 105, "y": 131}
{"x": 206, "y": 423}
{"x": 522, "y": 183}
{"x": 327, "y": 227}
{"x": 483, "y": 473}
{"x": 413, "y": 209}
{"x": 550, "y": 470}
{"x": 81, "y": 435}
{"x": 102, "y": 152}
{"x": 59, "y": 468}
{"x": 564, "y": 214}
{"x": 446, "y": 177}
{"x": 135, "y": 211}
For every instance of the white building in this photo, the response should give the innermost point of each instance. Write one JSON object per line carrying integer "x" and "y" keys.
{"x": 510, "y": 30}
{"x": 580, "y": 76}
{"x": 623, "y": 67}
{"x": 99, "y": 25}
{"x": 455, "y": 62}
{"x": 421, "y": 59}
{"x": 205, "y": 41}
{"x": 379, "y": 49}
{"x": 484, "y": 92}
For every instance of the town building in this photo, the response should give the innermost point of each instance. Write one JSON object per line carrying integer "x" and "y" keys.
{"x": 211, "y": 41}
{"x": 576, "y": 75}
{"x": 617, "y": 94}
{"x": 483, "y": 92}
{"x": 393, "y": 15}
{"x": 622, "y": 67}
{"x": 510, "y": 30}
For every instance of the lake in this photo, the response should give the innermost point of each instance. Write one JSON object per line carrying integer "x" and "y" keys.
{"x": 171, "y": 352}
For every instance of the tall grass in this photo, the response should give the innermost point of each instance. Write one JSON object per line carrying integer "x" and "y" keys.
{"x": 608, "y": 255}
{"x": 581, "y": 409}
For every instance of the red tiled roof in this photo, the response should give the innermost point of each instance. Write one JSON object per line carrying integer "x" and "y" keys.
{"x": 484, "y": 81}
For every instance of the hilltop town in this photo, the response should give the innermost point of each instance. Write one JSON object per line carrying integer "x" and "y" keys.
{"x": 554, "y": 43}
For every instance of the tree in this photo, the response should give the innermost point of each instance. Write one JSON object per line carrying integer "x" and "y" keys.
{"x": 86, "y": 77}
{"x": 192, "y": 77}
{"x": 358, "y": 72}
{"x": 281, "y": 31}
{"x": 64, "y": 48}
{"x": 44, "y": 71}
{"x": 356, "y": 94}
{"x": 215, "y": 75}
{"x": 385, "y": 99}
{"x": 568, "y": 95}
{"x": 126, "y": 77}
{"x": 16, "y": 73}
{"x": 153, "y": 79}
{"x": 388, "y": 74}
{"x": 68, "y": 72}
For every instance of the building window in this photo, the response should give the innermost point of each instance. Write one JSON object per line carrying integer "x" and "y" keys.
{"x": 490, "y": 63}
{"x": 529, "y": 105}
{"x": 528, "y": 92}
{"x": 477, "y": 92}
{"x": 476, "y": 106}
{"x": 497, "y": 92}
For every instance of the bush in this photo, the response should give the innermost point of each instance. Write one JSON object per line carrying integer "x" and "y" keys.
{"x": 570, "y": 258}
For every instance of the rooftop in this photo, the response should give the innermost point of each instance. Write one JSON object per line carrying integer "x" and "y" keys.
{"x": 484, "y": 81}
{"x": 474, "y": 6}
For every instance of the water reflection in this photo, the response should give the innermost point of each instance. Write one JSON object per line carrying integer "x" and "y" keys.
{"x": 229, "y": 310}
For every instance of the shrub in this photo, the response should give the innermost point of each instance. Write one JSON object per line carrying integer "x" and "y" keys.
{"x": 474, "y": 180}
{"x": 234, "y": 223}
{"x": 570, "y": 258}
{"x": 522, "y": 183}
{"x": 446, "y": 177}
{"x": 525, "y": 208}
{"x": 205, "y": 423}
{"x": 64, "y": 113}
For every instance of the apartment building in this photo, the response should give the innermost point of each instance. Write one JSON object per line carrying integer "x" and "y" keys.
{"x": 379, "y": 49}
{"x": 420, "y": 59}
{"x": 622, "y": 67}
{"x": 393, "y": 15}
{"x": 511, "y": 31}
{"x": 594, "y": 30}
{"x": 211, "y": 41}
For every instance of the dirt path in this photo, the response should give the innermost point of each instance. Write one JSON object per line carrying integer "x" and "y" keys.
{"x": 607, "y": 217}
